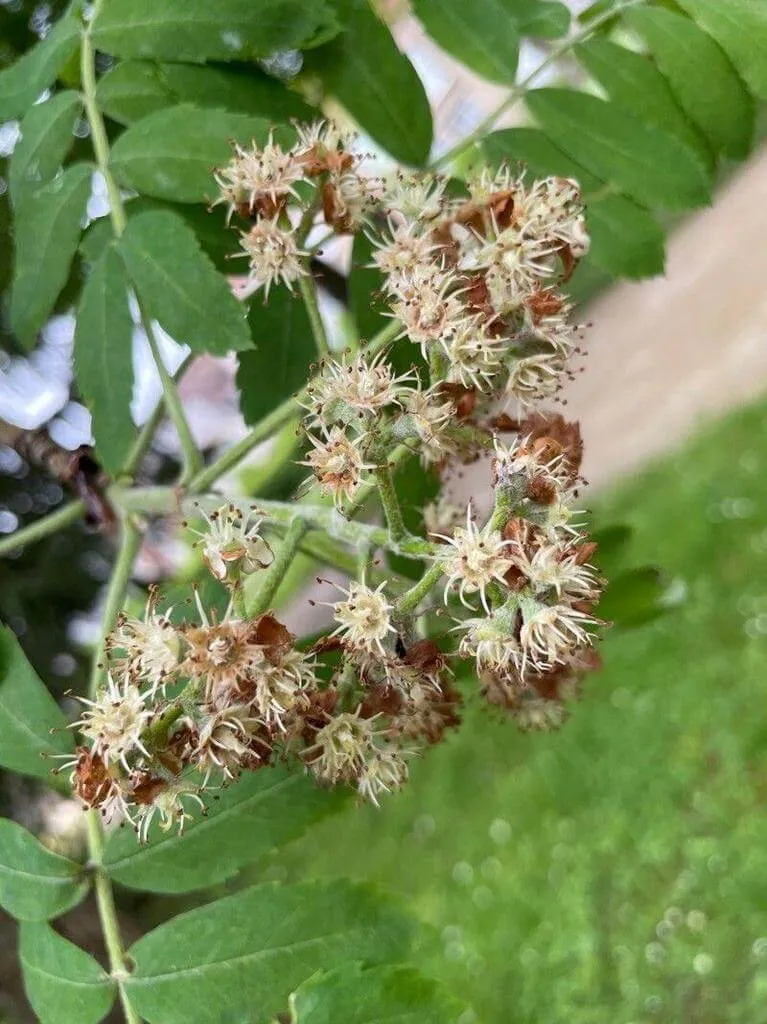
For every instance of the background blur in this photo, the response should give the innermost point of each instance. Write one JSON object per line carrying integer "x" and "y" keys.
{"x": 614, "y": 871}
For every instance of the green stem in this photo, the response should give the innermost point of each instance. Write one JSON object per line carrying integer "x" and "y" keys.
{"x": 413, "y": 597}
{"x": 130, "y": 542}
{"x": 68, "y": 513}
{"x": 275, "y": 574}
{"x": 308, "y": 289}
{"x": 518, "y": 92}
{"x": 110, "y": 926}
{"x": 100, "y": 141}
{"x": 390, "y": 502}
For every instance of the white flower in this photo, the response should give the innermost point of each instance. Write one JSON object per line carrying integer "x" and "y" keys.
{"x": 430, "y": 415}
{"x": 405, "y": 252}
{"x": 323, "y": 134}
{"x": 534, "y": 377}
{"x": 273, "y": 255}
{"x": 550, "y": 632}
{"x": 553, "y": 565}
{"x": 429, "y": 306}
{"x": 258, "y": 174}
{"x": 414, "y": 197}
{"x": 168, "y": 805}
{"x": 441, "y": 516}
{"x": 231, "y": 543}
{"x": 474, "y": 355}
{"x": 383, "y": 771}
{"x": 115, "y": 721}
{"x": 152, "y": 647}
{"x": 278, "y": 688}
{"x": 552, "y": 209}
{"x": 337, "y": 464}
{"x": 347, "y": 197}
{"x": 343, "y": 746}
{"x": 223, "y": 741}
{"x": 361, "y": 387}
{"x": 364, "y": 617}
{"x": 478, "y": 558}
{"x": 492, "y": 641}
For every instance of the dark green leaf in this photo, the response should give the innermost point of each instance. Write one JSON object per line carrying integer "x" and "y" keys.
{"x": 279, "y": 364}
{"x": 46, "y": 138}
{"x": 63, "y": 983}
{"x": 633, "y": 597}
{"x": 262, "y": 811}
{"x": 416, "y": 486}
{"x": 47, "y": 229}
{"x": 626, "y": 240}
{"x": 546, "y": 20}
{"x": 171, "y": 154}
{"x": 622, "y": 150}
{"x": 103, "y": 358}
{"x": 701, "y": 77}
{"x": 197, "y": 30}
{"x": 28, "y": 715}
{"x": 483, "y": 35}
{"x": 381, "y": 995}
{"x": 133, "y": 89}
{"x": 376, "y": 83}
{"x": 366, "y": 302}
{"x": 36, "y": 884}
{"x": 613, "y": 542}
{"x": 246, "y": 953}
{"x": 180, "y": 286}
{"x": 740, "y": 28}
{"x": 633, "y": 83}
{"x": 23, "y": 82}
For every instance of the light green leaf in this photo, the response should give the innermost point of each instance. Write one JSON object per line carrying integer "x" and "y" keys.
{"x": 740, "y": 28}
{"x": 103, "y": 358}
{"x": 47, "y": 229}
{"x": 701, "y": 77}
{"x": 171, "y": 154}
{"x": 197, "y": 30}
{"x": 46, "y": 138}
{"x": 246, "y": 953}
{"x": 626, "y": 240}
{"x": 36, "y": 884}
{"x": 633, "y": 83}
{"x": 279, "y": 364}
{"x": 483, "y": 35}
{"x": 28, "y": 715}
{"x": 133, "y": 89}
{"x": 180, "y": 286}
{"x": 653, "y": 168}
{"x": 23, "y": 82}
{"x": 376, "y": 83}
{"x": 63, "y": 983}
{"x": 381, "y": 995}
{"x": 263, "y": 811}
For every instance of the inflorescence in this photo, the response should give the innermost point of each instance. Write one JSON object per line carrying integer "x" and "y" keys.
{"x": 474, "y": 280}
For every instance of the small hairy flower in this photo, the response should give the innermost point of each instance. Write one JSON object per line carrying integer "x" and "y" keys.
{"x": 347, "y": 198}
{"x": 474, "y": 356}
{"x": 337, "y": 463}
{"x": 441, "y": 517}
{"x": 534, "y": 377}
{"x": 493, "y": 641}
{"x": 259, "y": 179}
{"x": 428, "y": 306}
{"x": 273, "y": 255}
{"x": 364, "y": 617}
{"x": 152, "y": 647}
{"x": 223, "y": 741}
{"x": 553, "y": 565}
{"x": 168, "y": 806}
{"x": 342, "y": 748}
{"x": 477, "y": 559}
{"x": 414, "y": 197}
{"x": 552, "y": 209}
{"x": 430, "y": 415}
{"x": 405, "y": 252}
{"x": 361, "y": 387}
{"x": 231, "y": 544}
{"x": 550, "y": 632}
{"x": 383, "y": 771}
{"x": 115, "y": 721}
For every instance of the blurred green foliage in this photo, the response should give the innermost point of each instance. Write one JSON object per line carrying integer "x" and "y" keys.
{"x": 614, "y": 872}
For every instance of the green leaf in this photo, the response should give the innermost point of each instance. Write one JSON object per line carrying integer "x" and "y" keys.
{"x": 47, "y": 228}
{"x": 634, "y": 597}
{"x": 28, "y": 715}
{"x": 197, "y": 30}
{"x": 63, "y": 983}
{"x": 36, "y": 884}
{"x": 103, "y": 358}
{"x": 279, "y": 364}
{"x": 133, "y": 89}
{"x": 633, "y": 83}
{"x": 485, "y": 34}
{"x": 701, "y": 77}
{"x": 46, "y": 138}
{"x": 263, "y": 811}
{"x": 381, "y": 995}
{"x": 246, "y": 953}
{"x": 180, "y": 286}
{"x": 376, "y": 83}
{"x": 625, "y": 239}
{"x": 653, "y": 168}
{"x": 740, "y": 28}
{"x": 470, "y": 32}
{"x": 23, "y": 82}
{"x": 171, "y": 154}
